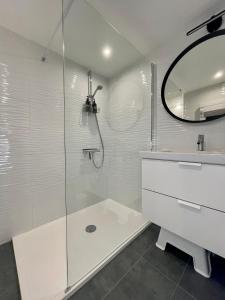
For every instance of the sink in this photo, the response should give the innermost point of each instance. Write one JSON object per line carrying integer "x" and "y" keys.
{"x": 212, "y": 157}
{"x": 194, "y": 151}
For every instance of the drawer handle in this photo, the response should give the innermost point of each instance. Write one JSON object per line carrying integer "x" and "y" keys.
{"x": 192, "y": 205}
{"x": 191, "y": 164}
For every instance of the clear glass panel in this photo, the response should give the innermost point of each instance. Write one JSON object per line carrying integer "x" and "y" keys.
{"x": 32, "y": 177}
{"x": 103, "y": 172}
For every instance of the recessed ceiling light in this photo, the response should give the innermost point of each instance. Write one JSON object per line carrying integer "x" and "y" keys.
{"x": 107, "y": 52}
{"x": 179, "y": 106}
{"x": 218, "y": 74}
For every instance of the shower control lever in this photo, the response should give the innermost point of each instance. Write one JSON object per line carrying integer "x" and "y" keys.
{"x": 201, "y": 142}
{"x": 90, "y": 151}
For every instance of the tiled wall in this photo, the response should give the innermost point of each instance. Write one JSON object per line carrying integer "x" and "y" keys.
{"x": 171, "y": 133}
{"x": 32, "y": 160}
{"x": 129, "y": 122}
{"x": 31, "y": 136}
{"x": 84, "y": 184}
{"x": 124, "y": 121}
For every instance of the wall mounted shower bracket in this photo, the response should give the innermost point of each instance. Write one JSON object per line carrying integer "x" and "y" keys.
{"x": 90, "y": 106}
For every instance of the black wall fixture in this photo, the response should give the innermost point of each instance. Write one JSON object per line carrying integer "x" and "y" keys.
{"x": 215, "y": 39}
{"x": 212, "y": 24}
{"x": 215, "y": 24}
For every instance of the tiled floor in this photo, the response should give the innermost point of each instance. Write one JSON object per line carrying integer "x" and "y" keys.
{"x": 140, "y": 272}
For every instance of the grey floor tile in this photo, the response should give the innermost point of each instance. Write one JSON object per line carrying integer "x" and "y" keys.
{"x": 170, "y": 262}
{"x": 148, "y": 238}
{"x": 181, "y": 294}
{"x": 203, "y": 288}
{"x": 106, "y": 279}
{"x": 9, "y": 286}
{"x": 143, "y": 282}
{"x": 155, "y": 228}
{"x": 10, "y": 290}
{"x": 7, "y": 256}
{"x": 92, "y": 290}
{"x": 218, "y": 269}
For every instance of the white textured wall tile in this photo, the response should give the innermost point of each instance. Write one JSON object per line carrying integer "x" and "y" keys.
{"x": 47, "y": 169}
{"x": 16, "y": 210}
{"x": 14, "y": 169}
{"x": 48, "y": 114}
{"x": 14, "y": 140}
{"x": 48, "y": 203}
{"x": 45, "y": 140}
{"x": 128, "y": 119}
{"x": 85, "y": 185}
{"x": 124, "y": 121}
{"x": 31, "y": 136}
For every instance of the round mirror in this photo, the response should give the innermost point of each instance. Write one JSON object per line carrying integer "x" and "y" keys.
{"x": 193, "y": 89}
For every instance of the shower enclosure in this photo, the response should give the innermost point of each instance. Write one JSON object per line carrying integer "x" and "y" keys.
{"x": 75, "y": 112}
{"x": 107, "y": 121}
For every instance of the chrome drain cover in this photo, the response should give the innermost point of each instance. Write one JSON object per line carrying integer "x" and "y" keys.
{"x": 90, "y": 228}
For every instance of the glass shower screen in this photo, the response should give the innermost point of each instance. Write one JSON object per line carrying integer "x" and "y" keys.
{"x": 107, "y": 121}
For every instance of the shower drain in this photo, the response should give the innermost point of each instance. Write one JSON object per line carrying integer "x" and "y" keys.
{"x": 90, "y": 228}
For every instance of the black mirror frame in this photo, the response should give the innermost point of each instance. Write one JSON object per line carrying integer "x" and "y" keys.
{"x": 186, "y": 50}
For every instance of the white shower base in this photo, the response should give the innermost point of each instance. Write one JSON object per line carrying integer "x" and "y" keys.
{"x": 41, "y": 253}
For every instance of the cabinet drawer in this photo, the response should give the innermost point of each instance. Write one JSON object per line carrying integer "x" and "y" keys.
{"x": 200, "y": 225}
{"x": 203, "y": 184}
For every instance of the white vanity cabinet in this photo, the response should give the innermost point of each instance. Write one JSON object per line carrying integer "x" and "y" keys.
{"x": 186, "y": 197}
{"x": 199, "y": 183}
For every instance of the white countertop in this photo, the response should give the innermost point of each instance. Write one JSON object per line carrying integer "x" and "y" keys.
{"x": 217, "y": 158}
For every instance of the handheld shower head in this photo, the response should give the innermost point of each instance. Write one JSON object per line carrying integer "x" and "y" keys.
{"x": 99, "y": 87}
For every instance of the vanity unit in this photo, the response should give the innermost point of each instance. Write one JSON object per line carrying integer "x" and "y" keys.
{"x": 184, "y": 193}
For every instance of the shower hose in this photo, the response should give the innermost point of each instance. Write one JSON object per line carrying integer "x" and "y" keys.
{"x": 102, "y": 146}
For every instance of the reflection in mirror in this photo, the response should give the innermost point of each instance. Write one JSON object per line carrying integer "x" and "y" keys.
{"x": 195, "y": 87}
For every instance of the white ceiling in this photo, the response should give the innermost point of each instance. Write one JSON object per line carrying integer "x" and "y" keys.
{"x": 87, "y": 33}
{"x": 147, "y": 24}
{"x": 35, "y": 20}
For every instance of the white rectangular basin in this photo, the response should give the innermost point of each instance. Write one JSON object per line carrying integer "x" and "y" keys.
{"x": 195, "y": 156}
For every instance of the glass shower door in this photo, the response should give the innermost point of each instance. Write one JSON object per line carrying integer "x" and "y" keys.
{"x": 107, "y": 121}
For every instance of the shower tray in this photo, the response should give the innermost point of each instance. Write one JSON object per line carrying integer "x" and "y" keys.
{"x": 41, "y": 255}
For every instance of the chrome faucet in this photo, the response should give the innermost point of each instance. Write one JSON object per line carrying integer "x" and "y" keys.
{"x": 201, "y": 142}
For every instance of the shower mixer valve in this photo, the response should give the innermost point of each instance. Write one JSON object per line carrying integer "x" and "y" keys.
{"x": 90, "y": 152}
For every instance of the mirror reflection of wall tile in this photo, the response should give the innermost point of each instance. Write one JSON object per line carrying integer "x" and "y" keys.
{"x": 193, "y": 89}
